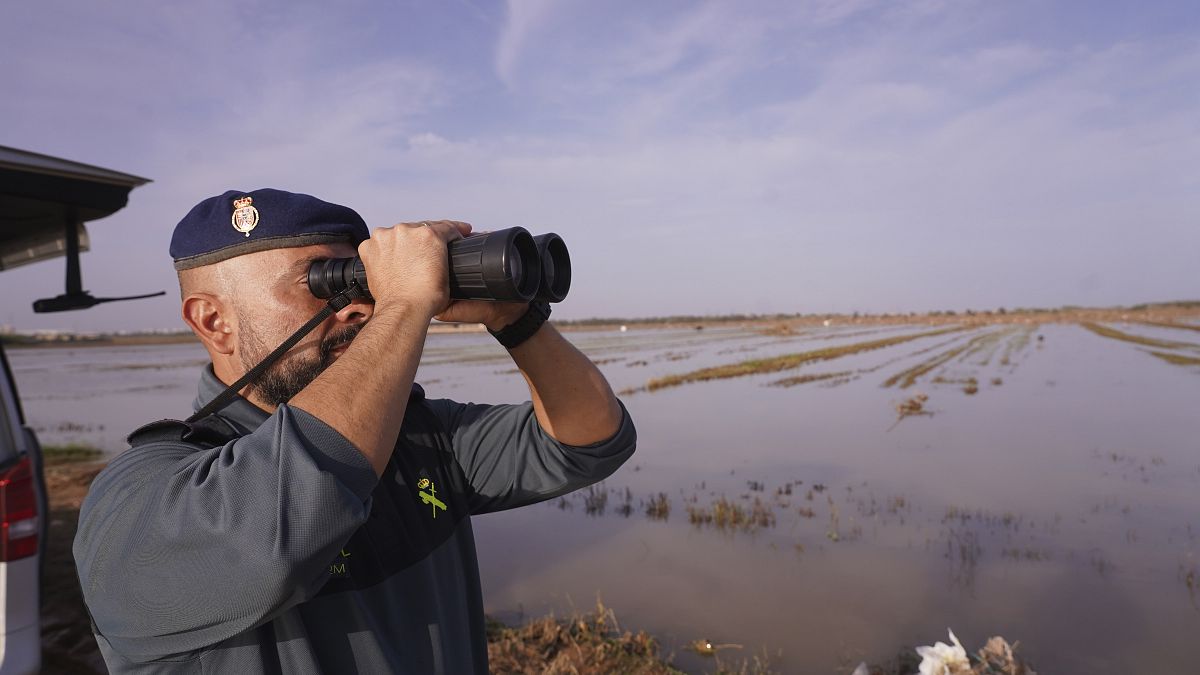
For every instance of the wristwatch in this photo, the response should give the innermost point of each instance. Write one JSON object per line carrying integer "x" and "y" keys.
{"x": 523, "y": 328}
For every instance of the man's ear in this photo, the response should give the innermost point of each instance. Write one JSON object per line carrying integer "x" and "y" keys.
{"x": 211, "y": 321}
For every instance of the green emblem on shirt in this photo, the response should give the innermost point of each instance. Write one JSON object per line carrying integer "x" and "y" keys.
{"x": 430, "y": 497}
{"x": 338, "y": 569}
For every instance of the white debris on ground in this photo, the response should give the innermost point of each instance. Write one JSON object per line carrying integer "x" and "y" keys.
{"x": 996, "y": 658}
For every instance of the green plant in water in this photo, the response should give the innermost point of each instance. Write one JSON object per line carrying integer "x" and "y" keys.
{"x": 833, "y": 533}
{"x": 659, "y": 507}
{"x": 805, "y": 379}
{"x": 909, "y": 377}
{"x": 726, "y": 515}
{"x": 1114, "y": 334}
{"x": 784, "y": 362}
{"x": 1175, "y": 359}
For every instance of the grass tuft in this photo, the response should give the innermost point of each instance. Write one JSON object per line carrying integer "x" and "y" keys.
{"x": 1114, "y": 334}
{"x": 1176, "y": 359}
{"x": 726, "y": 515}
{"x": 584, "y": 643}
{"x": 1171, "y": 324}
{"x": 659, "y": 507}
{"x": 595, "y": 643}
{"x": 812, "y": 377}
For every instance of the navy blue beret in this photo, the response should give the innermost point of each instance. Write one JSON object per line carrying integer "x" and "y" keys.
{"x": 237, "y": 223}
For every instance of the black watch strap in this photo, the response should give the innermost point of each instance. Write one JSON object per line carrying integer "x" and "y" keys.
{"x": 523, "y": 328}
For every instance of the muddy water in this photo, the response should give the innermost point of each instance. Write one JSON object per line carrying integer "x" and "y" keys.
{"x": 1058, "y": 504}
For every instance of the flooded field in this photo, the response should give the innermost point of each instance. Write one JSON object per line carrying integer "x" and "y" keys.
{"x": 824, "y": 495}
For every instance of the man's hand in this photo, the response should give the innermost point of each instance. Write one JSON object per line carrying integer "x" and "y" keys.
{"x": 408, "y": 265}
{"x": 494, "y": 315}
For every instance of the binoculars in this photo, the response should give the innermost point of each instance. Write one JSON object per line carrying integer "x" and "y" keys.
{"x": 508, "y": 265}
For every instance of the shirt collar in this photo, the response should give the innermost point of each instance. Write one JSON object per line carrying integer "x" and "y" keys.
{"x": 241, "y": 413}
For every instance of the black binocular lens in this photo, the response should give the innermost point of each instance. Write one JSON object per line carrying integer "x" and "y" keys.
{"x": 327, "y": 278}
{"x": 556, "y": 267}
{"x": 507, "y": 265}
{"x": 500, "y": 265}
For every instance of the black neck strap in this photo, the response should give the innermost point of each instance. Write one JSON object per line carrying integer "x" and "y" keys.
{"x": 335, "y": 304}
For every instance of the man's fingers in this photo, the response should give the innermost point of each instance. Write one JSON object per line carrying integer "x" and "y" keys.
{"x": 456, "y": 228}
{"x": 449, "y": 230}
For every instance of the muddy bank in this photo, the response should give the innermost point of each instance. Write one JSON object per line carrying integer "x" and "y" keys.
{"x": 67, "y": 642}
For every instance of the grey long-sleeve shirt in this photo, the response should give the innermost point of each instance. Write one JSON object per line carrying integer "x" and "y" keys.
{"x": 281, "y": 552}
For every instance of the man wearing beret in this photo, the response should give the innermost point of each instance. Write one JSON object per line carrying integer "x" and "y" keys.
{"x": 320, "y": 521}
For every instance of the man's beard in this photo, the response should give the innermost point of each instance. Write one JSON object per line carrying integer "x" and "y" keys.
{"x": 289, "y": 376}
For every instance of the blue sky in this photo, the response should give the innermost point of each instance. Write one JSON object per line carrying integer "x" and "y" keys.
{"x": 697, "y": 157}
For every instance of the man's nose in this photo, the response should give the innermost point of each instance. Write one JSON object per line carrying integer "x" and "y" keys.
{"x": 358, "y": 311}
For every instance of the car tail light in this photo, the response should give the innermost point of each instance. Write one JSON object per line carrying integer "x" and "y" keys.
{"x": 18, "y": 512}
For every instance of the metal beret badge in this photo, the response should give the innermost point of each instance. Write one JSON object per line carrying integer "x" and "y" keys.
{"x": 245, "y": 216}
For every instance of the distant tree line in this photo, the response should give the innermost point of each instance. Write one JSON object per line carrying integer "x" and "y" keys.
{"x": 734, "y": 318}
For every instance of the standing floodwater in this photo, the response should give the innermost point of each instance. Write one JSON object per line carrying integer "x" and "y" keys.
{"x": 827, "y": 495}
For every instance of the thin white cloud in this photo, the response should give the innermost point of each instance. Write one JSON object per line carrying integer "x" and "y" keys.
{"x": 523, "y": 19}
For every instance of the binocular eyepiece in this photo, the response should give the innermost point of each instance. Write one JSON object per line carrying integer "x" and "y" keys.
{"x": 508, "y": 265}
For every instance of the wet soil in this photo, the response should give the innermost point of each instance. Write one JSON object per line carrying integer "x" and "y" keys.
{"x": 67, "y": 642}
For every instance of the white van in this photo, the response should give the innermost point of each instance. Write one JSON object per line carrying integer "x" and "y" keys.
{"x": 22, "y": 533}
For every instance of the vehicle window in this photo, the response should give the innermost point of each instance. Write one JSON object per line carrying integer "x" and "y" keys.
{"x": 11, "y": 438}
